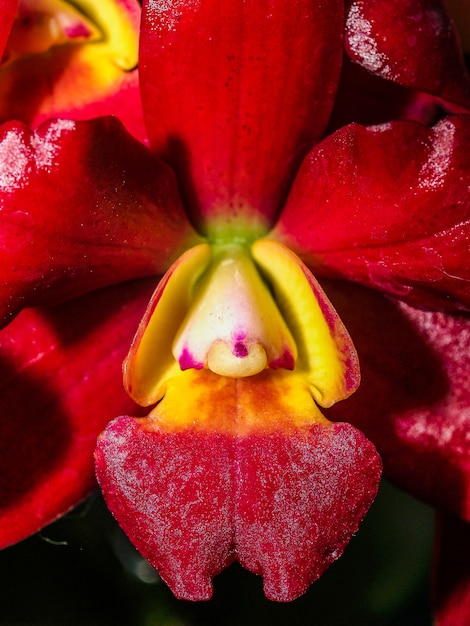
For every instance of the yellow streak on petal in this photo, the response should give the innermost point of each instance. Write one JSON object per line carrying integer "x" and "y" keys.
{"x": 150, "y": 362}
{"x": 120, "y": 33}
{"x": 327, "y": 357}
{"x": 268, "y": 402}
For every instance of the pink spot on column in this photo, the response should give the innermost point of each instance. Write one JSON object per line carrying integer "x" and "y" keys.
{"x": 187, "y": 361}
{"x": 285, "y": 361}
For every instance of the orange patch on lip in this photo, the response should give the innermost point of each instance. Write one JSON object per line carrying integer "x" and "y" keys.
{"x": 271, "y": 401}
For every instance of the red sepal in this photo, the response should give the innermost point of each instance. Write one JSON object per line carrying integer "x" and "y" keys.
{"x": 388, "y": 207}
{"x": 84, "y": 205}
{"x": 285, "y": 505}
{"x": 60, "y": 385}
{"x": 411, "y": 42}
{"x": 8, "y": 10}
{"x": 234, "y": 94}
{"x": 414, "y": 397}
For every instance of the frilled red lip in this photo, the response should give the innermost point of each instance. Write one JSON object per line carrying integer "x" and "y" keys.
{"x": 237, "y": 101}
{"x": 192, "y": 502}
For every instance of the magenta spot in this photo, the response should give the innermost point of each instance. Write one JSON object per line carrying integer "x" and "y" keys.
{"x": 240, "y": 350}
{"x": 286, "y": 361}
{"x": 187, "y": 361}
{"x": 77, "y": 30}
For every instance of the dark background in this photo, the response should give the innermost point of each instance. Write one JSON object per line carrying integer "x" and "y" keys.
{"x": 82, "y": 571}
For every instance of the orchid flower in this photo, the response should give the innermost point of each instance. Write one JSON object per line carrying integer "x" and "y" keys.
{"x": 293, "y": 261}
{"x": 70, "y": 59}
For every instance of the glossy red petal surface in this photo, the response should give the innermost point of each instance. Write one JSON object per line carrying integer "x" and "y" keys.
{"x": 411, "y": 42}
{"x": 414, "y": 398}
{"x": 388, "y": 206}
{"x": 61, "y": 382}
{"x": 7, "y": 11}
{"x": 451, "y": 572}
{"x": 192, "y": 502}
{"x": 83, "y": 205}
{"x": 234, "y": 95}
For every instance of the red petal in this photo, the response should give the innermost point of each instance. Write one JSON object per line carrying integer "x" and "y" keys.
{"x": 414, "y": 398}
{"x": 388, "y": 206}
{"x": 8, "y": 10}
{"x": 411, "y": 42}
{"x": 83, "y": 205}
{"x": 192, "y": 502}
{"x": 452, "y": 572}
{"x": 235, "y": 94}
{"x": 61, "y": 383}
